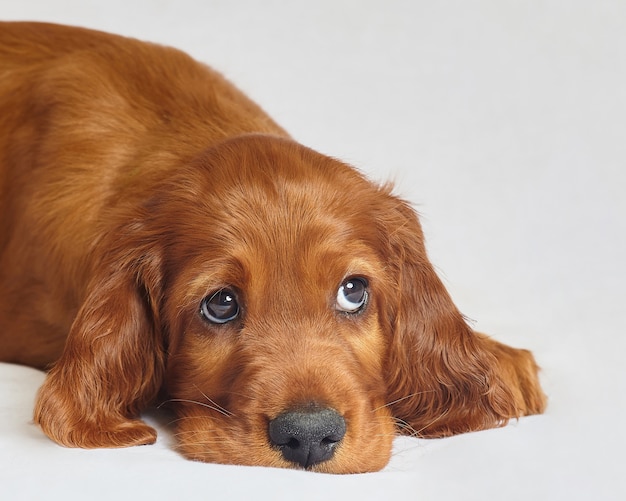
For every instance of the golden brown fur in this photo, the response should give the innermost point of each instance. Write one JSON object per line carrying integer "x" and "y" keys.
{"x": 134, "y": 183}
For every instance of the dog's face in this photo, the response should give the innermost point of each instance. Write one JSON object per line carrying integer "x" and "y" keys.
{"x": 277, "y": 342}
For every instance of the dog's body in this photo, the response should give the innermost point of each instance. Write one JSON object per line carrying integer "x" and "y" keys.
{"x": 74, "y": 141}
{"x": 158, "y": 231}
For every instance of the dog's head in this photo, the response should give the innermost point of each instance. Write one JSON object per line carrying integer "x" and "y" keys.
{"x": 275, "y": 309}
{"x": 288, "y": 307}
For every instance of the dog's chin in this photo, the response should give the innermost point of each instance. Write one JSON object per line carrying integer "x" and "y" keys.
{"x": 345, "y": 461}
{"x": 210, "y": 439}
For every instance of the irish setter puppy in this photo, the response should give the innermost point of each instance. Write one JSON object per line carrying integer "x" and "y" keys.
{"x": 162, "y": 239}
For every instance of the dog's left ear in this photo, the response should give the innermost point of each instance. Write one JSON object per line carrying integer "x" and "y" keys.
{"x": 442, "y": 377}
{"x": 113, "y": 360}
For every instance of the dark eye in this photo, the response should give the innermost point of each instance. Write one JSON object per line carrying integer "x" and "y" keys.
{"x": 352, "y": 295}
{"x": 221, "y": 307}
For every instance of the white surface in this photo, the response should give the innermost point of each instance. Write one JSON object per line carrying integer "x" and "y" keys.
{"x": 505, "y": 122}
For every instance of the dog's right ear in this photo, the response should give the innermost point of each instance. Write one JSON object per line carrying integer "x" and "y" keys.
{"x": 113, "y": 362}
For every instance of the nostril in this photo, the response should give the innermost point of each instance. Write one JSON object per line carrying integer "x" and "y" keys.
{"x": 329, "y": 441}
{"x": 308, "y": 436}
{"x": 292, "y": 444}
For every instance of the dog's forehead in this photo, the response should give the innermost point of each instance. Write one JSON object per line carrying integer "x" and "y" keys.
{"x": 290, "y": 239}
{"x": 273, "y": 188}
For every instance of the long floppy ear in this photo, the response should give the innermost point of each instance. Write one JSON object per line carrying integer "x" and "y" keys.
{"x": 443, "y": 378}
{"x": 112, "y": 364}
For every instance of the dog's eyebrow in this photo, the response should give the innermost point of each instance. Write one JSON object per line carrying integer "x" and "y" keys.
{"x": 225, "y": 272}
{"x": 362, "y": 267}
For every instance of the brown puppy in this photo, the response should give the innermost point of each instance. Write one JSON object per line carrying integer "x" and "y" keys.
{"x": 159, "y": 232}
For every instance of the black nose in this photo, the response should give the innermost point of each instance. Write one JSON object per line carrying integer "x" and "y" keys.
{"x": 307, "y": 436}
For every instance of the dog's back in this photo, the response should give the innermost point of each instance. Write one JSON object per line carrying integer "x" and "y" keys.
{"x": 89, "y": 122}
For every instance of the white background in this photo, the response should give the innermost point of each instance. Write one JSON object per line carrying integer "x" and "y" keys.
{"x": 505, "y": 123}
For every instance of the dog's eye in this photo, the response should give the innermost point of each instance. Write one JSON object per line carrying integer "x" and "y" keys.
{"x": 221, "y": 307}
{"x": 352, "y": 295}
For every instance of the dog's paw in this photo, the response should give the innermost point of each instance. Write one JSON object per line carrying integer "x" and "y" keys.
{"x": 102, "y": 434}
{"x": 122, "y": 434}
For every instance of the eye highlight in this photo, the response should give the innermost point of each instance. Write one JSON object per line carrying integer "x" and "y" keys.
{"x": 352, "y": 295}
{"x": 221, "y": 307}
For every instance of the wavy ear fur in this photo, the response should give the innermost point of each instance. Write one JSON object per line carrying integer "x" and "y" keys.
{"x": 112, "y": 364}
{"x": 443, "y": 378}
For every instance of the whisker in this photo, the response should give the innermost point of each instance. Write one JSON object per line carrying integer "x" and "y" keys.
{"x": 433, "y": 421}
{"x": 174, "y": 422}
{"x": 213, "y": 406}
{"x": 393, "y": 402}
{"x": 217, "y": 406}
{"x": 203, "y": 441}
{"x": 406, "y": 427}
